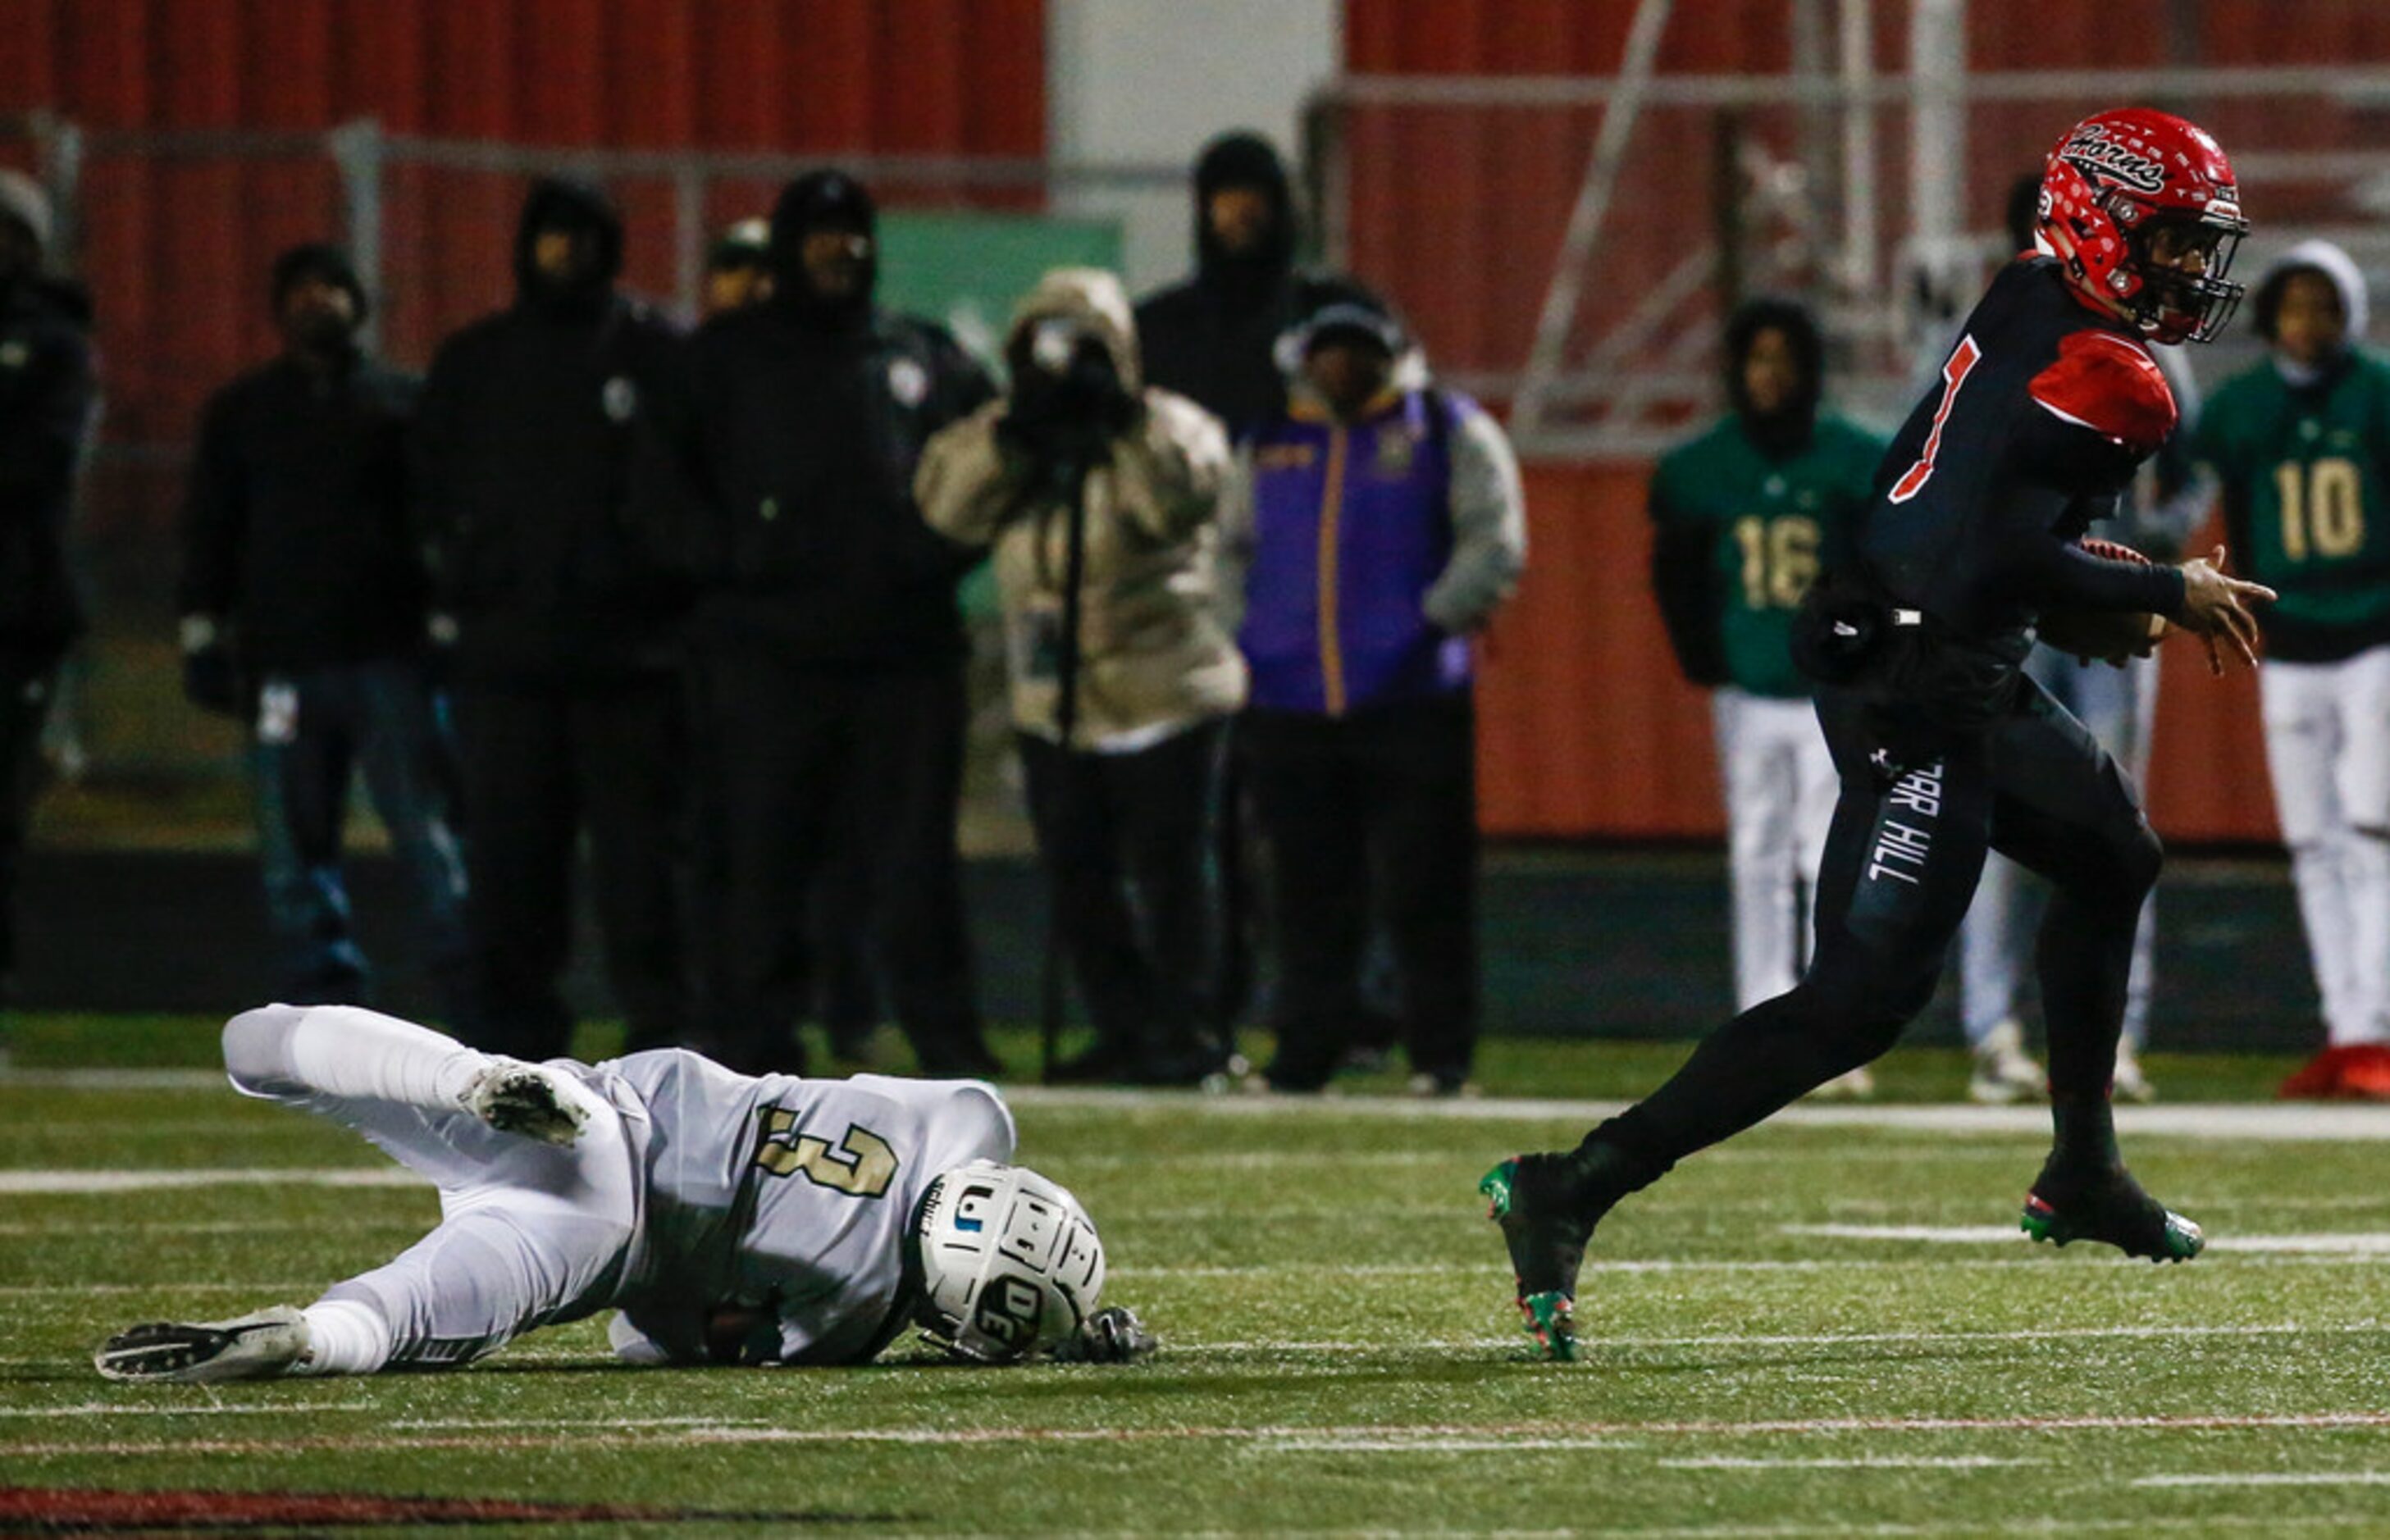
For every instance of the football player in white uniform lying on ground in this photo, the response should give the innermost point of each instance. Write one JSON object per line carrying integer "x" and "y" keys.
{"x": 725, "y": 1219}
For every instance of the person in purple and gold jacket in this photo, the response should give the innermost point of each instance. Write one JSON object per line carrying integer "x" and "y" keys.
{"x": 1378, "y": 524}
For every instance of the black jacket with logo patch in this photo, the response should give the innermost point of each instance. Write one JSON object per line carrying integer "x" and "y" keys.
{"x": 522, "y": 461}
{"x": 790, "y": 453}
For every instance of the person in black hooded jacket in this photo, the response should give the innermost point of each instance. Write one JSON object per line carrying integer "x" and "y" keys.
{"x": 828, "y": 648}
{"x": 1209, "y": 337}
{"x": 1212, "y": 338}
{"x": 567, "y": 627}
{"x": 46, "y": 401}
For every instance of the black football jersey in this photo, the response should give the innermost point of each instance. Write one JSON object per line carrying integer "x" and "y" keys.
{"x": 2042, "y": 413}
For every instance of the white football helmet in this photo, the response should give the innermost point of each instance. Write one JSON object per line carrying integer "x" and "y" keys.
{"x": 1010, "y": 1260}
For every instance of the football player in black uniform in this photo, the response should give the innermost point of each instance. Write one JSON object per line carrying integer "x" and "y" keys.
{"x": 1944, "y": 748}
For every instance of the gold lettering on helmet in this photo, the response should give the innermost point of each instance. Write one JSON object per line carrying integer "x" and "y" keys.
{"x": 862, "y": 1164}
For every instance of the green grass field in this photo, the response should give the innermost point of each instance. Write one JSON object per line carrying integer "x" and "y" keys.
{"x": 1827, "y": 1326}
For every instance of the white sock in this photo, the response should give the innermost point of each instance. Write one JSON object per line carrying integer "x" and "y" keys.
{"x": 344, "y": 1337}
{"x": 348, "y": 1051}
{"x": 2367, "y": 865}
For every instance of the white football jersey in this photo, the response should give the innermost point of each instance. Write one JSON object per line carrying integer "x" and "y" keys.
{"x": 777, "y": 1207}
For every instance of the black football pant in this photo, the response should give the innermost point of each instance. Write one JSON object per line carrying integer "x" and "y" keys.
{"x": 539, "y": 766}
{"x": 25, "y": 693}
{"x": 1900, "y": 868}
{"x": 805, "y": 760}
{"x": 1127, "y": 844}
{"x": 1373, "y": 814}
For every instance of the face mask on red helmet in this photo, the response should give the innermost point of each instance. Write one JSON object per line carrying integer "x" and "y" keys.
{"x": 2142, "y": 212}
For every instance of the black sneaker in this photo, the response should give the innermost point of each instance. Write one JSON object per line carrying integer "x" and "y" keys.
{"x": 2110, "y": 1207}
{"x": 1532, "y": 1198}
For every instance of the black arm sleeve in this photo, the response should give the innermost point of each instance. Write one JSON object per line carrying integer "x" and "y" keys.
{"x": 1684, "y": 582}
{"x": 215, "y": 518}
{"x": 2058, "y": 572}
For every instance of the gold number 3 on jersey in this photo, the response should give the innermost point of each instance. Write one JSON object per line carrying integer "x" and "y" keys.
{"x": 863, "y": 1164}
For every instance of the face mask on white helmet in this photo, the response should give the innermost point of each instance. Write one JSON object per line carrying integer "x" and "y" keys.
{"x": 1009, "y": 1260}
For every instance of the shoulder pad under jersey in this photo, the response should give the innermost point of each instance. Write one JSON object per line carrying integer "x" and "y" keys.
{"x": 2110, "y": 385}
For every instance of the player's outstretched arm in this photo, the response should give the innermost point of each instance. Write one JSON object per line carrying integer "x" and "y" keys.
{"x": 2216, "y": 606}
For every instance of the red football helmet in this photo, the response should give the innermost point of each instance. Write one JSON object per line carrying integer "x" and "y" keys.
{"x": 2141, "y": 208}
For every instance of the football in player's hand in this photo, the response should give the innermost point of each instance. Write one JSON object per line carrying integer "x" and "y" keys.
{"x": 2114, "y": 636}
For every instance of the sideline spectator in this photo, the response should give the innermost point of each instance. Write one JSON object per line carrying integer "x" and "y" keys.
{"x": 47, "y": 392}
{"x": 1209, "y": 337}
{"x": 739, "y": 268}
{"x": 1742, "y": 516}
{"x": 828, "y": 645}
{"x": 739, "y": 274}
{"x": 567, "y": 629}
{"x": 2301, "y": 442}
{"x": 305, "y": 602}
{"x": 2119, "y": 705}
{"x": 1381, "y": 524}
{"x": 1123, "y": 808}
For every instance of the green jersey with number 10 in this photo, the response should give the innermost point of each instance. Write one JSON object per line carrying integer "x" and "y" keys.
{"x": 2306, "y": 505}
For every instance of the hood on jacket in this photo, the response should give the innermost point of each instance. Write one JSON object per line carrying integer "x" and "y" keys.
{"x": 1788, "y": 427}
{"x": 568, "y": 203}
{"x": 1244, "y": 159}
{"x": 1094, "y": 302}
{"x": 822, "y": 200}
{"x": 2312, "y": 256}
{"x": 24, "y": 199}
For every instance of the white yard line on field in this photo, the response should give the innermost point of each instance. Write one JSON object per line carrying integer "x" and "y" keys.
{"x": 2271, "y": 1478}
{"x": 2295, "y": 1122}
{"x": 114, "y": 1080}
{"x": 491, "y": 1433}
{"x": 1856, "y": 1462}
{"x": 46, "y": 1182}
{"x": 246, "y": 1408}
{"x": 2302, "y": 1122}
{"x": 2355, "y": 1244}
{"x": 1829, "y": 1339}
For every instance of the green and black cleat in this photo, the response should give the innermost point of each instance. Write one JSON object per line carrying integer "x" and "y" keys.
{"x": 2116, "y": 1212}
{"x": 1528, "y": 1197}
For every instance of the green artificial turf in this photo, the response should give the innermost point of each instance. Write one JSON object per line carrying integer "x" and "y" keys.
{"x": 1771, "y": 1349}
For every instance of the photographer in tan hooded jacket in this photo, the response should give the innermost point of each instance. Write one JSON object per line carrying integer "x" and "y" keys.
{"x": 1124, "y": 807}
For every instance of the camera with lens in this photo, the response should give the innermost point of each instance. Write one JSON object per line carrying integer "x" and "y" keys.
{"x": 1068, "y": 398}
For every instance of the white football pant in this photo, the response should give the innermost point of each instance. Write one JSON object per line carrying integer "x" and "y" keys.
{"x": 2328, "y": 749}
{"x": 529, "y": 1233}
{"x": 1780, "y": 788}
{"x": 1996, "y": 943}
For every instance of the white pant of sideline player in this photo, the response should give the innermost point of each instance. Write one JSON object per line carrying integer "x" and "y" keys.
{"x": 1996, "y": 943}
{"x": 2328, "y": 749}
{"x": 1780, "y": 783}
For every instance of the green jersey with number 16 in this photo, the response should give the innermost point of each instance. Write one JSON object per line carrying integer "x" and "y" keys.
{"x": 2307, "y": 503}
{"x": 1771, "y": 524}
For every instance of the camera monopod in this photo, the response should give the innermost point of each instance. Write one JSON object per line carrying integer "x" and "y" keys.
{"x": 1066, "y": 723}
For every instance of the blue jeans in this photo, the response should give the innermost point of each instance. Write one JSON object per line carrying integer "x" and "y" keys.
{"x": 312, "y": 729}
